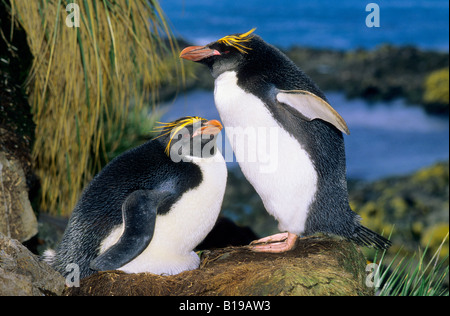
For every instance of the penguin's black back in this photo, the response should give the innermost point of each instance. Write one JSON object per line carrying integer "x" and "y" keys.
{"x": 267, "y": 65}
{"x": 99, "y": 209}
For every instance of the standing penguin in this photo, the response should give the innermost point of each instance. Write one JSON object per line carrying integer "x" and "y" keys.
{"x": 257, "y": 86}
{"x": 150, "y": 207}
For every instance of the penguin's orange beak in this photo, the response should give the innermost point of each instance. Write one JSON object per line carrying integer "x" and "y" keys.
{"x": 197, "y": 53}
{"x": 212, "y": 127}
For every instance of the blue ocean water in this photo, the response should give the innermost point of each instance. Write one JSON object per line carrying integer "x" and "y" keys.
{"x": 387, "y": 138}
{"x": 314, "y": 23}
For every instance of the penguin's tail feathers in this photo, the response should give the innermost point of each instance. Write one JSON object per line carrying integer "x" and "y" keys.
{"x": 365, "y": 237}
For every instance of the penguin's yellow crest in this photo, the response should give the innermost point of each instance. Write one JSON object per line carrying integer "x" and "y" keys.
{"x": 174, "y": 128}
{"x": 237, "y": 40}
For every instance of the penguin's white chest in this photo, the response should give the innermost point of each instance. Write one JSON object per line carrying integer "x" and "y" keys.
{"x": 273, "y": 161}
{"x": 181, "y": 229}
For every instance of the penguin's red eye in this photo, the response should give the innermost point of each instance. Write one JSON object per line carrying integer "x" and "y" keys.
{"x": 226, "y": 52}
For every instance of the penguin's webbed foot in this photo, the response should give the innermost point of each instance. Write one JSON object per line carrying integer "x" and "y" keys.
{"x": 275, "y": 244}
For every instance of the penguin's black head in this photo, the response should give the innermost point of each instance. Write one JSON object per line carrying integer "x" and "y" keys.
{"x": 189, "y": 136}
{"x": 226, "y": 54}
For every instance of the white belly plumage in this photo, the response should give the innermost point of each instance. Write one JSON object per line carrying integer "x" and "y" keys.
{"x": 282, "y": 174}
{"x": 180, "y": 230}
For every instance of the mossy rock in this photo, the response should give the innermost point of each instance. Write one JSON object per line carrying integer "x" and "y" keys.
{"x": 318, "y": 266}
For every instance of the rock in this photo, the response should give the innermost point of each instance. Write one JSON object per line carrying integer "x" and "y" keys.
{"x": 17, "y": 179}
{"x": 318, "y": 266}
{"x": 17, "y": 219}
{"x": 22, "y": 273}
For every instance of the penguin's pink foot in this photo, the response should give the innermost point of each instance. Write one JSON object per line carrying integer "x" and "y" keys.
{"x": 275, "y": 244}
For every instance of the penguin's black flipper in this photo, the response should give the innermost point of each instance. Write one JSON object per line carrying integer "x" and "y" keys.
{"x": 312, "y": 107}
{"x": 139, "y": 214}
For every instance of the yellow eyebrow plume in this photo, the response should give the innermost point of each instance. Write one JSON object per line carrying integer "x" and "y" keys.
{"x": 237, "y": 40}
{"x": 174, "y": 128}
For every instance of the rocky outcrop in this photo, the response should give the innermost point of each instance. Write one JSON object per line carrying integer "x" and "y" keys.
{"x": 17, "y": 219}
{"x": 22, "y": 273}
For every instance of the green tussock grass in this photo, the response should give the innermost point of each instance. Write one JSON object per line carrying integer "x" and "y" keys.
{"x": 86, "y": 83}
{"x": 413, "y": 275}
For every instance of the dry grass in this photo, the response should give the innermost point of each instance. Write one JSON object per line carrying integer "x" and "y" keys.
{"x": 84, "y": 81}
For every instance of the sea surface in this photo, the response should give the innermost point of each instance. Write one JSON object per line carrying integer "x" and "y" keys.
{"x": 387, "y": 138}
{"x": 314, "y": 23}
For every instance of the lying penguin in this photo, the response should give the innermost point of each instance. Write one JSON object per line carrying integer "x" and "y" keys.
{"x": 257, "y": 86}
{"x": 150, "y": 207}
